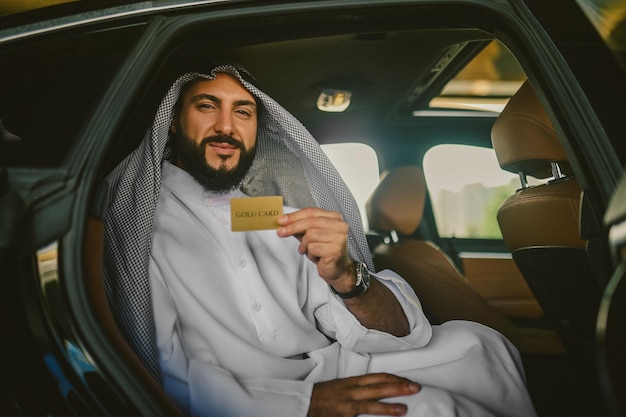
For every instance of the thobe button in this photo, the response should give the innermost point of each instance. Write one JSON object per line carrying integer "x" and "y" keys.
{"x": 224, "y": 220}
{"x": 241, "y": 262}
{"x": 208, "y": 201}
{"x": 256, "y": 307}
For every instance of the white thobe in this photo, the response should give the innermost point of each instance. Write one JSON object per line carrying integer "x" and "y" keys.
{"x": 245, "y": 326}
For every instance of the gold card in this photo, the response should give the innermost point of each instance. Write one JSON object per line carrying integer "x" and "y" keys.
{"x": 255, "y": 213}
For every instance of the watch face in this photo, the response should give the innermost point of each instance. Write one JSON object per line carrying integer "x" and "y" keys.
{"x": 359, "y": 275}
{"x": 363, "y": 275}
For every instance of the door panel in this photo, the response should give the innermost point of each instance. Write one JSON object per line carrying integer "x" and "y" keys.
{"x": 497, "y": 279}
{"x": 610, "y": 334}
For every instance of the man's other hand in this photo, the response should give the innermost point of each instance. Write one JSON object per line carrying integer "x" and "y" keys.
{"x": 361, "y": 395}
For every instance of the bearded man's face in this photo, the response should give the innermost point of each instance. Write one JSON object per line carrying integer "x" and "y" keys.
{"x": 214, "y": 132}
{"x": 191, "y": 158}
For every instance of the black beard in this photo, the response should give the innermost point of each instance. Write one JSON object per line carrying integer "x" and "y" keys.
{"x": 193, "y": 160}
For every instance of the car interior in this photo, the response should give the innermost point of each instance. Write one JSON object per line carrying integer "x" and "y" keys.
{"x": 401, "y": 81}
{"x": 394, "y": 76}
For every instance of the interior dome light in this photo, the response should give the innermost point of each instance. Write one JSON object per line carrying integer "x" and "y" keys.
{"x": 333, "y": 100}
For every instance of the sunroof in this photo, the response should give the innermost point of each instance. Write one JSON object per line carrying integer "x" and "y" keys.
{"x": 483, "y": 87}
{"x": 18, "y": 6}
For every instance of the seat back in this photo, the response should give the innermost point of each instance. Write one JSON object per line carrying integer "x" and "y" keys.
{"x": 540, "y": 224}
{"x": 397, "y": 205}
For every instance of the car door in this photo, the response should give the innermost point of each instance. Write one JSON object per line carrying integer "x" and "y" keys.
{"x": 611, "y": 323}
{"x": 601, "y": 62}
{"x": 61, "y": 94}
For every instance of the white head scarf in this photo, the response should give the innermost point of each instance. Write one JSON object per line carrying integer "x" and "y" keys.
{"x": 289, "y": 162}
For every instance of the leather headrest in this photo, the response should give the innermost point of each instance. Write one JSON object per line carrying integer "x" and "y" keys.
{"x": 524, "y": 139}
{"x": 397, "y": 203}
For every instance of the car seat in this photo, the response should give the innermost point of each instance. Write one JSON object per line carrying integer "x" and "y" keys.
{"x": 540, "y": 224}
{"x": 96, "y": 296}
{"x": 396, "y": 206}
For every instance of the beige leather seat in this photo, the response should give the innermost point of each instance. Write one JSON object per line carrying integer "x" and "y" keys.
{"x": 540, "y": 224}
{"x": 526, "y": 143}
{"x": 397, "y": 206}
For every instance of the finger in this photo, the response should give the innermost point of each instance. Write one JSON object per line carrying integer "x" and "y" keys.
{"x": 325, "y": 256}
{"x": 307, "y": 213}
{"x": 331, "y": 258}
{"x": 327, "y": 225}
{"x": 376, "y": 408}
{"x": 385, "y": 390}
{"x": 376, "y": 378}
{"x": 323, "y": 239}
{"x": 330, "y": 252}
{"x": 382, "y": 385}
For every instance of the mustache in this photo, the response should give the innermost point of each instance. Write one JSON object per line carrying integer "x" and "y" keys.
{"x": 222, "y": 139}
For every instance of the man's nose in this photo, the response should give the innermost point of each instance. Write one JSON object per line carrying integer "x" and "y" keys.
{"x": 224, "y": 123}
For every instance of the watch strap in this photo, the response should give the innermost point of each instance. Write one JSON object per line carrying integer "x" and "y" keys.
{"x": 361, "y": 285}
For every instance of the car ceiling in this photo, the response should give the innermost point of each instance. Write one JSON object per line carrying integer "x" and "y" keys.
{"x": 383, "y": 70}
{"x": 391, "y": 73}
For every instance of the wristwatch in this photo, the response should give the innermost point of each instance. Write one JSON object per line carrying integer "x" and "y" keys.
{"x": 361, "y": 285}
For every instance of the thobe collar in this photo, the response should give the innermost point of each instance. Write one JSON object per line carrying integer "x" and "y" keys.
{"x": 181, "y": 182}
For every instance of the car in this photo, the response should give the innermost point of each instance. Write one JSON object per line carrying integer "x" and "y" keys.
{"x": 391, "y": 89}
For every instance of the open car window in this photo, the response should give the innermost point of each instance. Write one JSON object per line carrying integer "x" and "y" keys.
{"x": 49, "y": 89}
{"x": 466, "y": 187}
{"x": 609, "y": 19}
{"x": 357, "y": 164}
{"x": 483, "y": 86}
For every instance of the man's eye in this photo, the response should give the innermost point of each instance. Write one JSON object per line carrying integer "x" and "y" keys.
{"x": 206, "y": 106}
{"x": 245, "y": 112}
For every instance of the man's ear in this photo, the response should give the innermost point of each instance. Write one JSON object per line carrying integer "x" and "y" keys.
{"x": 173, "y": 125}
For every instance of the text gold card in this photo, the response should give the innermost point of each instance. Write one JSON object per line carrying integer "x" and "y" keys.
{"x": 255, "y": 213}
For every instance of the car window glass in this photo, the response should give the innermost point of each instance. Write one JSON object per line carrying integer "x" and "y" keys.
{"x": 357, "y": 164}
{"x": 609, "y": 19}
{"x": 50, "y": 87}
{"x": 485, "y": 84}
{"x": 467, "y": 186}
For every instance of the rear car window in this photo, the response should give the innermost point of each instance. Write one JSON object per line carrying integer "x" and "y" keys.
{"x": 467, "y": 186}
{"x": 609, "y": 19}
{"x": 49, "y": 88}
{"x": 357, "y": 164}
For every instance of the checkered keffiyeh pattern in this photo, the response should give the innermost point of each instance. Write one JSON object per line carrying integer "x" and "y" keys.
{"x": 289, "y": 162}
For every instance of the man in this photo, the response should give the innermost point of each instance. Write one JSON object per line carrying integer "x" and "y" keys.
{"x": 288, "y": 322}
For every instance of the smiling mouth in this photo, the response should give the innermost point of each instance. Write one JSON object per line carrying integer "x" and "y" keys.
{"x": 223, "y": 149}
{"x": 221, "y": 146}
{"x": 224, "y": 145}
